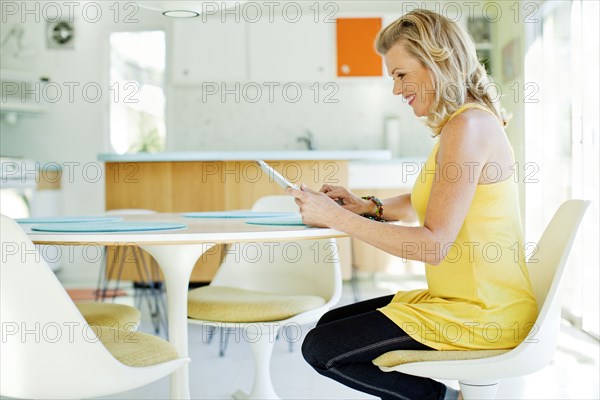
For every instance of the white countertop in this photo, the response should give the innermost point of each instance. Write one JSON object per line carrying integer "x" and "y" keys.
{"x": 248, "y": 155}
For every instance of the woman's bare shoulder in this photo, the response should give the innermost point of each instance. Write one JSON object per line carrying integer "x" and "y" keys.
{"x": 477, "y": 136}
{"x": 474, "y": 127}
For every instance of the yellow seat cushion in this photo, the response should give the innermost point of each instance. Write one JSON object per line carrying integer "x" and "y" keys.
{"x": 135, "y": 349}
{"x": 117, "y": 316}
{"x": 227, "y": 304}
{"x": 398, "y": 357}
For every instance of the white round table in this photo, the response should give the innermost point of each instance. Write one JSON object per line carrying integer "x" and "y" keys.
{"x": 176, "y": 252}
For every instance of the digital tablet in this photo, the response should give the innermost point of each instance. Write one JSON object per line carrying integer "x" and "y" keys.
{"x": 276, "y": 176}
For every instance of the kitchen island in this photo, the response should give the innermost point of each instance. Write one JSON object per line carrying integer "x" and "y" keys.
{"x": 217, "y": 180}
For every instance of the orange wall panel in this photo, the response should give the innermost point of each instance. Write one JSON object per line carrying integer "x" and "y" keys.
{"x": 356, "y": 55}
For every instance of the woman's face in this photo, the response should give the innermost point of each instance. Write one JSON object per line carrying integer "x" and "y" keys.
{"x": 412, "y": 79}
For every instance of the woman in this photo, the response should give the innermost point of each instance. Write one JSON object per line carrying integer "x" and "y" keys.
{"x": 469, "y": 234}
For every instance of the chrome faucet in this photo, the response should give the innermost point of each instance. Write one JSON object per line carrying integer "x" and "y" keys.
{"x": 309, "y": 140}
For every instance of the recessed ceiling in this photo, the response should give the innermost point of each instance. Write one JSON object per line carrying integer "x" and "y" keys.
{"x": 190, "y": 8}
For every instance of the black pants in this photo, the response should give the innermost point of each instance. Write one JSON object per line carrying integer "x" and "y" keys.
{"x": 347, "y": 339}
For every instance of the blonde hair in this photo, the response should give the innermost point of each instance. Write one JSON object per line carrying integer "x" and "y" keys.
{"x": 448, "y": 51}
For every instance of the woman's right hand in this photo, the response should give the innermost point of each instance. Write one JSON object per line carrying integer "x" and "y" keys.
{"x": 348, "y": 200}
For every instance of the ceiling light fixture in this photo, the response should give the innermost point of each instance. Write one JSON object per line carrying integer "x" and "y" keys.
{"x": 181, "y": 14}
{"x": 175, "y": 9}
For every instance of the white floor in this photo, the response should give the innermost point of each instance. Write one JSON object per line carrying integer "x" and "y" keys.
{"x": 573, "y": 374}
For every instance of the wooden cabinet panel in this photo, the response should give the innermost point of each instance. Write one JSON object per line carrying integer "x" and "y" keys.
{"x": 209, "y": 185}
{"x": 128, "y": 188}
{"x": 196, "y": 186}
{"x": 356, "y": 55}
{"x": 164, "y": 186}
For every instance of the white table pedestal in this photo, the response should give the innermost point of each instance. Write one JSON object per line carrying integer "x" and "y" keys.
{"x": 177, "y": 263}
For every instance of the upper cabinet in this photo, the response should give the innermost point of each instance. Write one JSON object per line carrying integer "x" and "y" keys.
{"x": 281, "y": 48}
{"x": 306, "y": 43}
{"x": 291, "y": 51}
{"x": 205, "y": 50}
{"x": 355, "y": 40}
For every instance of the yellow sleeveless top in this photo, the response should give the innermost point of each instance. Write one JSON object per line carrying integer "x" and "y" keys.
{"x": 479, "y": 296}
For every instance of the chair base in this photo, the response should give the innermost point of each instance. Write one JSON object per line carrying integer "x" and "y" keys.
{"x": 262, "y": 348}
{"x": 475, "y": 391}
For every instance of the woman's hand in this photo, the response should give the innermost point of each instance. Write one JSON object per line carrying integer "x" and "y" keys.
{"x": 317, "y": 208}
{"x": 348, "y": 200}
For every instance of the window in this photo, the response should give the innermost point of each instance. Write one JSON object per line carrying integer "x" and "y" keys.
{"x": 562, "y": 142}
{"x": 137, "y": 75}
{"x": 586, "y": 127}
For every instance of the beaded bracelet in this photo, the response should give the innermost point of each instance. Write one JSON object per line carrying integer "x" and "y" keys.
{"x": 379, "y": 213}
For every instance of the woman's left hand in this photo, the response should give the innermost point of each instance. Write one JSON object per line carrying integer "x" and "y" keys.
{"x": 317, "y": 208}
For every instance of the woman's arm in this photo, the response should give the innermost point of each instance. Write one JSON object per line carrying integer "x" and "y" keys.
{"x": 397, "y": 208}
{"x": 464, "y": 148}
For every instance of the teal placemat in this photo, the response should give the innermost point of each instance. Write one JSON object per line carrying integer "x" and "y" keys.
{"x": 237, "y": 214}
{"x": 295, "y": 219}
{"x": 66, "y": 220}
{"x": 108, "y": 227}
